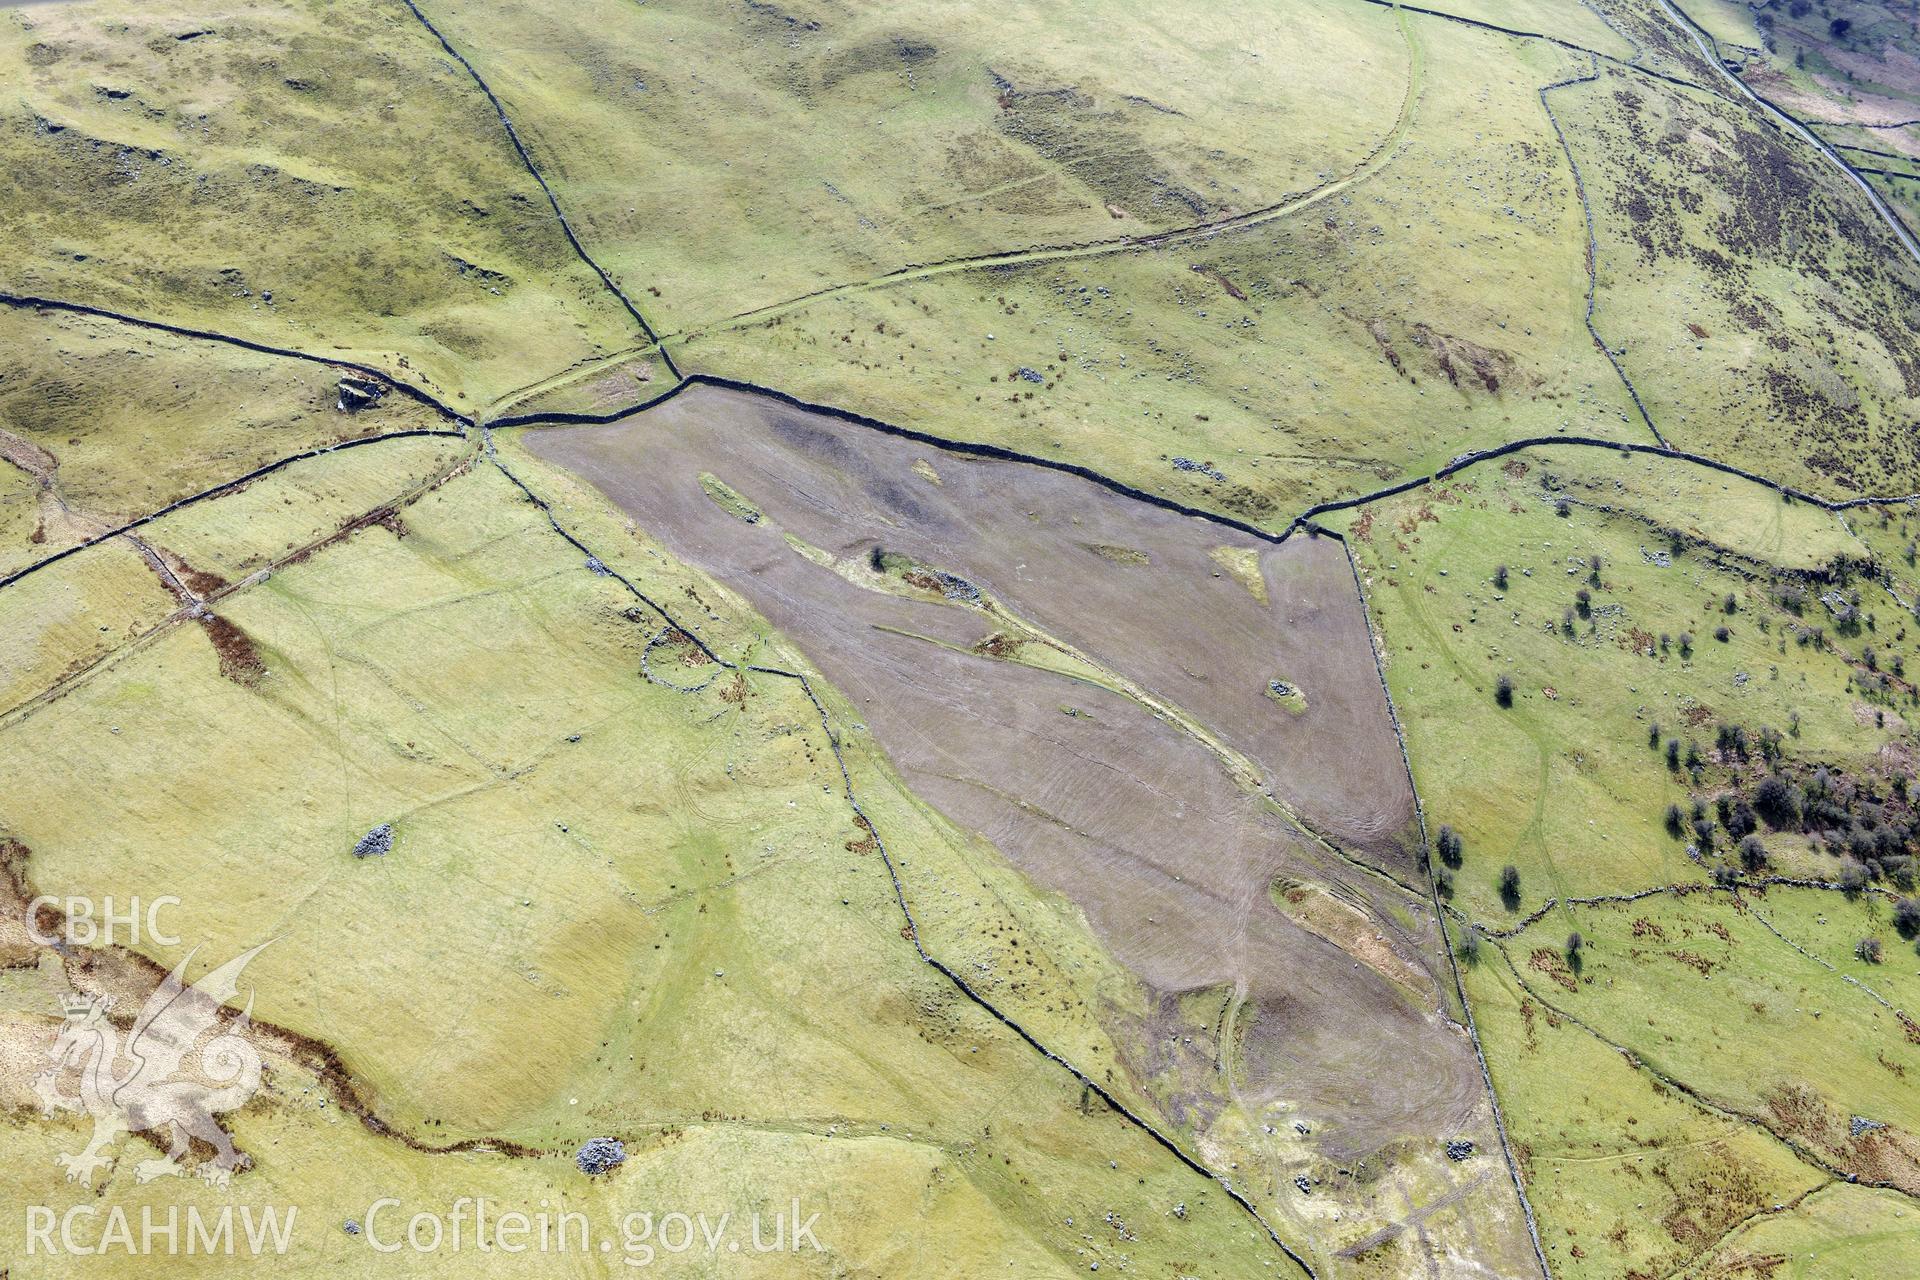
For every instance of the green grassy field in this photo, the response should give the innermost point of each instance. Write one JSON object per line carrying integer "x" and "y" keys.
{"x": 804, "y": 146}
{"x": 670, "y": 886}
{"x": 303, "y": 173}
{"x": 1566, "y": 784}
{"x": 112, "y": 421}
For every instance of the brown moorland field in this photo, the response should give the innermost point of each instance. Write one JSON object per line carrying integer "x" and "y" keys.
{"x": 1075, "y": 676}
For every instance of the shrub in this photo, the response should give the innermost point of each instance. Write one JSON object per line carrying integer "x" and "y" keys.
{"x": 1753, "y": 854}
{"x": 1503, "y": 691}
{"x": 1449, "y": 846}
{"x": 1510, "y": 887}
{"x": 1906, "y": 918}
{"x": 1676, "y": 822}
{"x": 1563, "y": 508}
{"x": 1653, "y": 735}
{"x": 1686, "y": 644}
{"x": 1673, "y": 754}
{"x": 1500, "y": 577}
{"x": 1703, "y": 834}
{"x": 1723, "y": 634}
{"x": 1583, "y": 601}
{"x": 1853, "y": 879}
{"x": 1726, "y": 877}
{"x": 1729, "y": 605}
{"x": 1868, "y": 949}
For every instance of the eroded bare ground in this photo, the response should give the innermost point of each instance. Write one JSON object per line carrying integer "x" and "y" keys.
{"x": 1104, "y": 714}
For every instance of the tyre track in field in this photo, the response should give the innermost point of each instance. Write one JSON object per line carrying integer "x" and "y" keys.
{"x": 195, "y": 605}
{"x": 224, "y": 486}
{"x": 1374, "y": 160}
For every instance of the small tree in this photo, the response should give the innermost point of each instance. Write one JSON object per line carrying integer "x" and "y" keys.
{"x": 1673, "y": 754}
{"x": 1868, "y": 949}
{"x": 1853, "y": 879}
{"x": 1448, "y": 845}
{"x": 1500, "y": 577}
{"x": 1686, "y": 644}
{"x": 1563, "y": 508}
{"x": 1503, "y": 690}
{"x": 1510, "y": 887}
{"x": 1469, "y": 949}
{"x": 1676, "y": 821}
{"x": 1730, "y": 605}
{"x": 1576, "y": 958}
{"x": 1653, "y": 736}
{"x": 1583, "y": 601}
{"x": 1723, "y": 634}
{"x": 1753, "y": 854}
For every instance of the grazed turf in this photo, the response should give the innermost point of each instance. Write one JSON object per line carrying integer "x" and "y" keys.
{"x": 306, "y": 173}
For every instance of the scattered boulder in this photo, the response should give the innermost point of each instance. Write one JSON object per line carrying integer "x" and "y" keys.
{"x": 357, "y": 393}
{"x": 1459, "y": 1149}
{"x": 376, "y": 843}
{"x": 1206, "y": 469}
{"x": 600, "y": 1155}
{"x": 954, "y": 587}
{"x": 1861, "y": 1125}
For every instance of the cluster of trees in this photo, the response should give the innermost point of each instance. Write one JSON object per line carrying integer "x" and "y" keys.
{"x": 1451, "y": 852}
{"x": 1734, "y": 742}
{"x": 1845, "y": 815}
